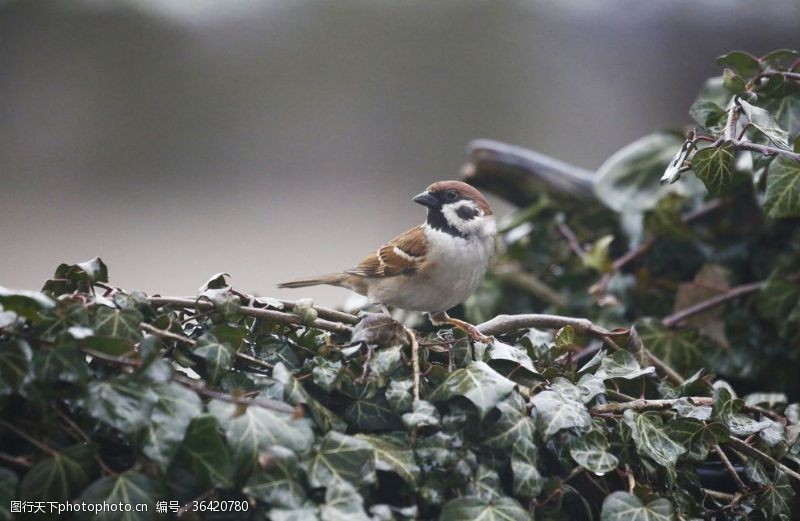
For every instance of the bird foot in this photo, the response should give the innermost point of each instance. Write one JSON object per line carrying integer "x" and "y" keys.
{"x": 469, "y": 329}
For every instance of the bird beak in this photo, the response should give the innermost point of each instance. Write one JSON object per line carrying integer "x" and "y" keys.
{"x": 426, "y": 199}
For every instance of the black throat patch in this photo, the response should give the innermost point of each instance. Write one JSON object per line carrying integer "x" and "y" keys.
{"x": 438, "y": 221}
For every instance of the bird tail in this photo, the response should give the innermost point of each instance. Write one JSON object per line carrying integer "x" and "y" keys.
{"x": 333, "y": 279}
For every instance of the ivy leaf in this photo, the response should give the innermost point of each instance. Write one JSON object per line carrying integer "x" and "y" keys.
{"x": 622, "y": 364}
{"x": 118, "y": 323}
{"x": 478, "y": 383}
{"x": 58, "y": 477}
{"x": 129, "y": 488}
{"x": 25, "y": 303}
{"x": 714, "y": 166}
{"x": 203, "y": 459}
{"x": 742, "y": 62}
{"x": 679, "y": 349}
{"x": 556, "y": 411}
{"x": 278, "y": 483}
{"x": 513, "y": 426}
{"x": 766, "y": 124}
{"x": 257, "y": 428}
{"x": 733, "y": 82}
{"x": 325, "y": 372}
{"x": 726, "y": 409}
{"x": 500, "y": 509}
{"x": 776, "y": 497}
{"x": 123, "y": 403}
{"x": 218, "y": 356}
{"x": 174, "y": 409}
{"x": 340, "y": 457}
{"x": 371, "y": 414}
{"x": 590, "y": 451}
{"x": 295, "y": 394}
{"x": 651, "y": 438}
{"x": 622, "y": 506}
{"x": 15, "y": 362}
{"x": 398, "y": 395}
{"x": 393, "y": 454}
{"x": 342, "y": 503}
{"x": 708, "y": 115}
{"x": 783, "y": 189}
{"x": 528, "y": 482}
{"x": 423, "y": 414}
{"x": 629, "y": 181}
{"x": 696, "y": 436}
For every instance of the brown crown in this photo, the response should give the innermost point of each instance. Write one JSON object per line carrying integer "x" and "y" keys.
{"x": 465, "y": 191}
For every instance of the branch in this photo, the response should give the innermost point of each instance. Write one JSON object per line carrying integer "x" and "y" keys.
{"x": 679, "y": 316}
{"x": 267, "y": 314}
{"x": 502, "y": 324}
{"x": 765, "y": 149}
{"x": 753, "y": 452}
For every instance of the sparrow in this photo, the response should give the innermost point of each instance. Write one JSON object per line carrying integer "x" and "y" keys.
{"x": 432, "y": 267}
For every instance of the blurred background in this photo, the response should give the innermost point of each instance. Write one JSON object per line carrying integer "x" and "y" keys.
{"x": 277, "y": 139}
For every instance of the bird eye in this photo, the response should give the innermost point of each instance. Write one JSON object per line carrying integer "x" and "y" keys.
{"x": 450, "y": 195}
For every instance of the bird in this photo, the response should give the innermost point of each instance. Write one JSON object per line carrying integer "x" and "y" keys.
{"x": 431, "y": 267}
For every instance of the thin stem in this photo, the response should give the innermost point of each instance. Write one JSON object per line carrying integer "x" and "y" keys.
{"x": 739, "y": 445}
{"x": 729, "y": 467}
{"x": 412, "y": 337}
{"x": 564, "y": 229}
{"x": 765, "y": 149}
{"x": 679, "y": 316}
{"x": 267, "y": 314}
{"x": 33, "y": 441}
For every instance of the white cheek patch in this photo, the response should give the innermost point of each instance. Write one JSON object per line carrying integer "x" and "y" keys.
{"x": 465, "y": 226}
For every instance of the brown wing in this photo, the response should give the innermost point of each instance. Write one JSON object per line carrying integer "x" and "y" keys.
{"x": 401, "y": 255}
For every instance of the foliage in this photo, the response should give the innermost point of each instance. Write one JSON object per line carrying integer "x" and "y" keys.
{"x": 299, "y": 412}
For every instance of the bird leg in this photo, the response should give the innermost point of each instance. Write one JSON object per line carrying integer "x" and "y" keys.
{"x": 441, "y": 319}
{"x": 385, "y": 310}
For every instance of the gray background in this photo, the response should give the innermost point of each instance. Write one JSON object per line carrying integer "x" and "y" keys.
{"x": 179, "y": 138}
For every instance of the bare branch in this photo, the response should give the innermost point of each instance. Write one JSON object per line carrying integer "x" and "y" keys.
{"x": 753, "y": 452}
{"x": 267, "y": 314}
{"x": 679, "y": 316}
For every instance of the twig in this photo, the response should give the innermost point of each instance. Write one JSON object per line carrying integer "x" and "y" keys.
{"x": 267, "y": 314}
{"x": 502, "y": 324}
{"x": 722, "y": 496}
{"x": 732, "y": 471}
{"x": 741, "y": 446}
{"x": 679, "y": 316}
{"x": 412, "y": 337}
{"x": 16, "y": 460}
{"x": 326, "y": 313}
{"x": 33, "y": 441}
{"x": 85, "y": 437}
{"x": 267, "y": 404}
{"x": 572, "y": 239}
{"x": 645, "y": 405}
{"x": 765, "y": 149}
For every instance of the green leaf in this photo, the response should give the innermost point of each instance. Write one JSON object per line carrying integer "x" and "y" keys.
{"x": 678, "y": 349}
{"x": 174, "y": 409}
{"x": 342, "y": 503}
{"x": 295, "y": 394}
{"x": 475, "y": 509}
{"x": 622, "y": 506}
{"x": 742, "y": 62}
{"x": 25, "y": 303}
{"x": 423, "y": 414}
{"x": 129, "y": 488}
{"x": 709, "y": 115}
{"x": 733, "y": 82}
{"x": 203, "y": 459}
{"x": 766, "y": 123}
{"x": 528, "y": 482}
{"x": 340, "y": 457}
{"x": 278, "y": 484}
{"x": 590, "y": 451}
{"x": 255, "y": 429}
{"x": 15, "y": 364}
{"x": 478, "y": 383}
{"x": 325, "y": 372}
{"x": 218, "y": 357}
{"x": 513, "y": 426}
{"x": 555, "y": 411}
{"x": 393, "y": 454}
{"x": 59, "y": 477}
{"x": 696, "y": 436}
{"x": 629, "y": 181}
{"x": 597, "y": 255}
{"x": 123, "y": 403}
{"x": 780, "y": 57}
{"x": 371, "y": 414}
{"x": 726, "y": 409}
{"x": 783, "y": 189}
{"x": 398, "y": 395}
{"x": 714, "y": 166}
{"x": 776, "y": 497}
{"x": 651, "y": 438}
{"x": 118, "y": 323}
{"x": 622, "y": 364}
